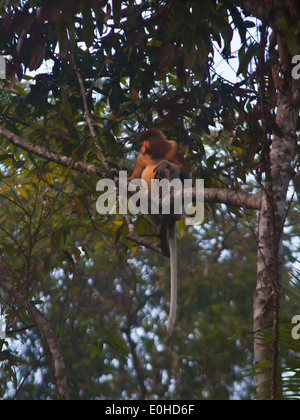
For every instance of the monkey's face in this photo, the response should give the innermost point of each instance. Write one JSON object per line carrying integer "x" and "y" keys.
{"x": 151, "y": 141}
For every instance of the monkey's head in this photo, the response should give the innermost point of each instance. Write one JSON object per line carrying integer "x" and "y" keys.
{"x": 150, "y": 140}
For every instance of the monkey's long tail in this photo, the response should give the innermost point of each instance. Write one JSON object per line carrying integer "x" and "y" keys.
{"x": 173, "y": 269}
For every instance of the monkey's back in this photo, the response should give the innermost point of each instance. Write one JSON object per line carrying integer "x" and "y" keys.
{"x": 148, "y": 173}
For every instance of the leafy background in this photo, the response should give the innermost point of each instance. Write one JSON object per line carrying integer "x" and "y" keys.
{"x": 144, "y": 64}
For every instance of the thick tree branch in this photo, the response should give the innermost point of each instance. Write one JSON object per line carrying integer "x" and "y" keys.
{"x": 46, "y": 333}
{"x": 50, "y": 156}
{"x": 232, "y": 198}
{"x": 138, "y": 240}
{"x": 211, "y": 195}
{"x": 144, "y": 242}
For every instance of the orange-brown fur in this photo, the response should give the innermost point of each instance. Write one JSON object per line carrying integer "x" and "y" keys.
{"x": 157, "y": 150}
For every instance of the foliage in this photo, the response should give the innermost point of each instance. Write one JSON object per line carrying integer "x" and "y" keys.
{"x": 143, "y": 64}
{"x": 108, "y": 314}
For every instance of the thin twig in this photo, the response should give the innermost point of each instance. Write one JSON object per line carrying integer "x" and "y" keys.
{"x": 84, "y": 94}
{"x": 50, "y": 156}
{"x": 138, "y": 240}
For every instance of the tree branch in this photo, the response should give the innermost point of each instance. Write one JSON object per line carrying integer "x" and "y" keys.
{"x": 50, "y": 156}
{"x": 211, "y": 195}
{"x": 144, "y": 242}
{"x": 262, "y": 9}
{"x": 137, "y": 365}
{"x": 47, "y": 333}
{"x": 232, "y": 198}
{"x": 138, "y": 240}
{"x": 87, "y": 113}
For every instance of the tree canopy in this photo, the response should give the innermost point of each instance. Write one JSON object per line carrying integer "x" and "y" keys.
{"x": 85, "y": 296}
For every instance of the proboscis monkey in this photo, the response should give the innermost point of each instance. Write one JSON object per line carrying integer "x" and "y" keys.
{"x": 162, "y": 159}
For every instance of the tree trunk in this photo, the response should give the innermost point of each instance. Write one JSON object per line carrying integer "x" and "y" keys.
{"x": 270, "y": 259}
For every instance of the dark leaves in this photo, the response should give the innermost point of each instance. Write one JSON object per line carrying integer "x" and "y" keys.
{"x": 37, "y": 49}
{"x": 117, "y": 11}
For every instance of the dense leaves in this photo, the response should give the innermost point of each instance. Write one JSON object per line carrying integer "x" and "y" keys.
{"x": 142, "y": 64}
{"x": 150, "y": 64}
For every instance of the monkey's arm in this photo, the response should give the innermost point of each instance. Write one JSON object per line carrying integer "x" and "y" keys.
{"x": 170, "y": 171}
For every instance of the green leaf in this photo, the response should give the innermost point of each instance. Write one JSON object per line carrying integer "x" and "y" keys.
{"x": 292, "y": 40}
{"x": 118, "y": 344}
{"x": 296, "y": 182}
{"x": 79, "y": 208}
{"x": 97, "y": 349}
{"x": 249, "y": 24}
{"x": 6, "y": 156}
{"x": 211, "y": 162}
{"x": 23, "y": 193}
{"x": 46, "y": 265}
{"x": 75, "y": 290}
{"x": 245, "y": 59}
{"x": 72, "y": 34}
{"x": 69, "y": 261}
{"x": 282, "y": 24}
{"x": 117, "y": 11}
{"x": 56, "y": 240}
{"x": 62, "y": 35}
{"x": 181, "y": 228}
{"x": 154, "y": 43}
{"x": 88, "y": 25}
{"x": 100, "y": 16}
